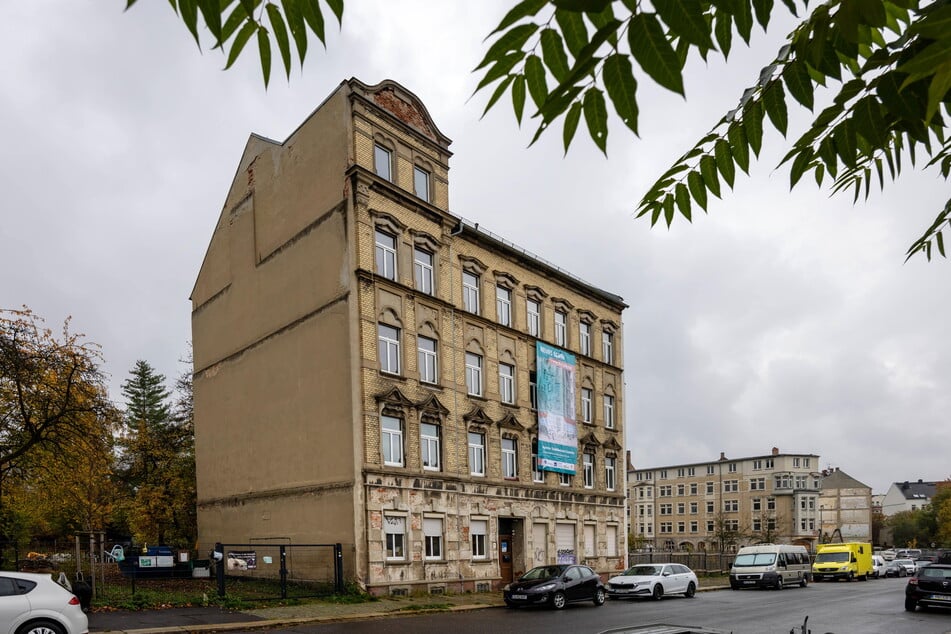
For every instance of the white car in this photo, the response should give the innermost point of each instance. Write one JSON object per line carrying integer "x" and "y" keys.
{"x": 878, "y": 566}
{"x": 32, "y": 603}
{"x": 654, "y": 581}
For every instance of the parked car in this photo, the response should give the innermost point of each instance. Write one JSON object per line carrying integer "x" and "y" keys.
{"x": 878, "y": 566}
{"x": 931, "y": 586}
{"x": 908, "y": 553}
{"x": 32, "y": 603}
{"x": 908, "y": 565}
{"x": 555, "y": 585}
{"x": 654, "y": 581}
{"x": 888, "y": 554}
{"x": 921, "y": 562}
{"x": 894, "y": 569}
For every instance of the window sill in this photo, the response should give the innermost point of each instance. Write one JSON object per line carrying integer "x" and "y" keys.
{"x": 396, "y": 562}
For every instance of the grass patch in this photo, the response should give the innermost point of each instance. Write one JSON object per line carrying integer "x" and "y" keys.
{"x": 432, "y": 607}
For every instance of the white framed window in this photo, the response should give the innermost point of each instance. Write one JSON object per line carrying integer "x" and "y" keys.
{"x": 732, "y": 467}
{"x": 394, "y": 529}
{"x": 429, "y": 446}
{"x": 589, "y": 541}
{"x": 386, "y": 254}
{"x": 421, "y": 183}
{"x": 477, "y": 533}
{"x": 423, "y": 270}
{"x": 607, "y": 346}
{"x": 609, "y": 472}
{"x": 533, "y": 317}
{"x": 428, "y": 367}
{"x": 432, "y": 535}
{"x": 383, "y": 162}
{"x": 476, "y": 453}
{"x": 584, "y": 338}
{"x": 611, "y": 533}
{"x": 507, "y": 383}
{"x": 709, "y": 469}
{"x": 509, "y": 458}
{"x": 470, "y": 292}
{"x": 474, "y": 374}
{"x": 586, "y": 396}
{"x": 392, "y": 440}
{"x": 608, "y": 411}
{"x": 537, "y": 474}
{"x": 564, "y": 479}
{"x": 389, "y": 338}
{"x": 587, "y": 460}
{"x": 503, "y": 305}
{"x": 561, "y": 328}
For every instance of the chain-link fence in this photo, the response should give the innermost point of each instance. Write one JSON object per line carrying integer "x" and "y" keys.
{"x": 299, "y": 570}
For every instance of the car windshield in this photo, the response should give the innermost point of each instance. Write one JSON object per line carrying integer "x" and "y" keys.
{"x": 823, "y": 558}
{"x": 542, "y": 572}
{"x": 643, "y": 571}
{"x": 755, "y": 559}
{"x": 905, "y": 562}
{"x": 935, "y": 573}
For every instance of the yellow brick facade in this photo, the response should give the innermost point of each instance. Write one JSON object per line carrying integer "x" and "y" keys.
{"x": 405, "y": 526}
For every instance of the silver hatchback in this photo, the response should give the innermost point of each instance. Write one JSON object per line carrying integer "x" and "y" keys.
{"x": 32, "y": 603}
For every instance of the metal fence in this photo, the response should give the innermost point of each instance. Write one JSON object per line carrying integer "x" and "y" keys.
{"x": 278, "y": 571}
{"x": 702, "y": 562}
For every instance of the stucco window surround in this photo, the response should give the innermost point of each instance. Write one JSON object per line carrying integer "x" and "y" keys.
{"x": 427, "y": 353}
{"x": 433, "y": 538}
{"x": 609, "y": 412}
{"x": 389, "y": 342}
{"x": 586, "y": 320}
{"x": 479, "y": 537}
{"x": 508, "y": 383}
{"x": 534, "y": 310}
{"x": 562, "y": 321}
{"x": 475, "y": 369}
{"x": 386, "y": 264}
{"x": 538, "y": 475}
{"x": 384, "y": 157}
{"x": 395, "y": 537}
{"x": 505, "y": 285}
{"x": 393, "y": 413}
{"x": 586, "y": 398}
{"x": 509, "y": 455}
{"x": 432, "y": 418}
{"x": 609, "y": 342}
{"x": 425, "y": 269}
{"x": 423, "y": 173}
{"x": 473, "y": 270}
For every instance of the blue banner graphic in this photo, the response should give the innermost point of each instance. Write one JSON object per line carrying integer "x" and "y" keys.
{"x": 557, "y": 430}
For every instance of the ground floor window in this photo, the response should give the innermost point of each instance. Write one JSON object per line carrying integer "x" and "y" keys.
{"x": 477, "y": 532}
{"x": 395, "y": 529}
{"x": 432, "y": 534}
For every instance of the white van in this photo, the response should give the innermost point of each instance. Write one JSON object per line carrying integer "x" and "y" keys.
{"x": 770, "y": 566}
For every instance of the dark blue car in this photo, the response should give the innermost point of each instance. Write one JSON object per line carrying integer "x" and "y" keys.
{"x": 555, "y": 585}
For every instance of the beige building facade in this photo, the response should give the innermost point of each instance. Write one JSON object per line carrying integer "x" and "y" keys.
{"x": 365, "y": 365}
{"x": 845, "y": 508}
{"x": 726, "y": 503}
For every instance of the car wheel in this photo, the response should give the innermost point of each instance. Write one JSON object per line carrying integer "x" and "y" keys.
{"x": 509, "y": 604}
{"x": 658, "y": 592}
{"x": 41, "y": 627}
{"x": 910, "y": 604}
{"x": 558, "y": 600}
{"x": 691, "y": 590}
{"x": 803, "y": 582}
{"x": 904, "y": 573}
{"x": 851, "y": 577}
{"x": 779, "y": 583}
{"x": 599, "y": 596}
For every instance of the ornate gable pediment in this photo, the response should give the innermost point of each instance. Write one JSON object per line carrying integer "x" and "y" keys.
{"x": 430, "y": 408}
{"x": 394, "y": 401}
{"x": 477, "y": 416}
{"x": 613, "y": 444}
{"x": 510, "y": 422}
{"x": 589, "y": 439}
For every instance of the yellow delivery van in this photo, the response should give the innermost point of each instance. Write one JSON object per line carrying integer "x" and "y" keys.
{"x": 851, "y": 560}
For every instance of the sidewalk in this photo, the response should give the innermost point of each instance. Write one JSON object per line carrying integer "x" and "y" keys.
{"x": 204, "y": 619}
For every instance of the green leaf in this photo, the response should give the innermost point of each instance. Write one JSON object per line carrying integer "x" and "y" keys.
{"x": 264, "y": 49}
{"x": 295, "y": 22}
{"x": 189, "y": 11}
{"x": 337, "y": 7}
{"x": 249, "y": 7}
{"x": 535, "y": 76}
{"x": 774, "y": 102}
{"x": 935, "y": 24}
{"x": 938, "y": 91}
{"x": 867, "y": 117}
{"x": 654, "y": 53}
{"x": 849, "y": 90}
{"x": 499, "y": 91}
{"x": 723, "y": 31}
{"x": 618, "y": 76}
{"x": 518, "y": 97}
{"x": 571, "y": 124}
{"x": 902, "y": 103}
{"x": 668, "y": 209}
{"x": 683, "y": 200}
{"x": 239, "y": 41}
{"x": 819, "y": 173}
{"x": 927, "y": 60}
{"x": 587, "y": 6}
{"x": 763, "y": 9}
{"x": 237, "y": 17}
{"x": 697, "y": 189}
{"x": 314, "y": 18}
{"x": 721, "y": 150}
{"x": 211, "y": 12}
{"x": 708, "y": 169}
{"x": 797, "y": 80}
{"x": 500, "y": 69}
{"x": 738, "y": 146}
{"x": 753, "y": 125}
{"x": 799, "y": 166}
{"x": 596, "y": 116}
{"x": 744, "y": 19}
{"x": 844, "y": 137}
{"x": 572, "y": 29}
{"x": 280, "y": 35}
{"x": 553, "y": 52}
{"x": 686, "y": 21}
{"x": 519, "y": 11}
{"x": 512, "y": 40}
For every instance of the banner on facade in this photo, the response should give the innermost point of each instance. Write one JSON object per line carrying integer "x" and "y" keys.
{"x": 557, "y": 430}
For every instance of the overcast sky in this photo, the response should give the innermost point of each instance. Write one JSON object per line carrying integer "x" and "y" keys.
{"x": 780, "y": 319}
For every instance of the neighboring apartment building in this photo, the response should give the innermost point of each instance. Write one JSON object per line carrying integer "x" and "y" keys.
{"x": 726, "y": 503}
{"x": 845, "y": 508}
{"x": 365, "y": 367}
{"x": 907, "y": 496}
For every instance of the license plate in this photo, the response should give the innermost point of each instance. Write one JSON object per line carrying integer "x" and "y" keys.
{"x": 940, "y": 597}
{"x": 748, "y": 583}
{"x": 519, "y": 596}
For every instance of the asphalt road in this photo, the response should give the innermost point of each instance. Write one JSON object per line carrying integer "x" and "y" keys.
{"x": 872, "y": 607}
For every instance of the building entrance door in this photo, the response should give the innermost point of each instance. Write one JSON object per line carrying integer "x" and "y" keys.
{"x": 505, "y": 558}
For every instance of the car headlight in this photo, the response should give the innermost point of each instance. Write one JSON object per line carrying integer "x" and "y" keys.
{"x": 507, "y": 587}
{"x": 546, "y": 587}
